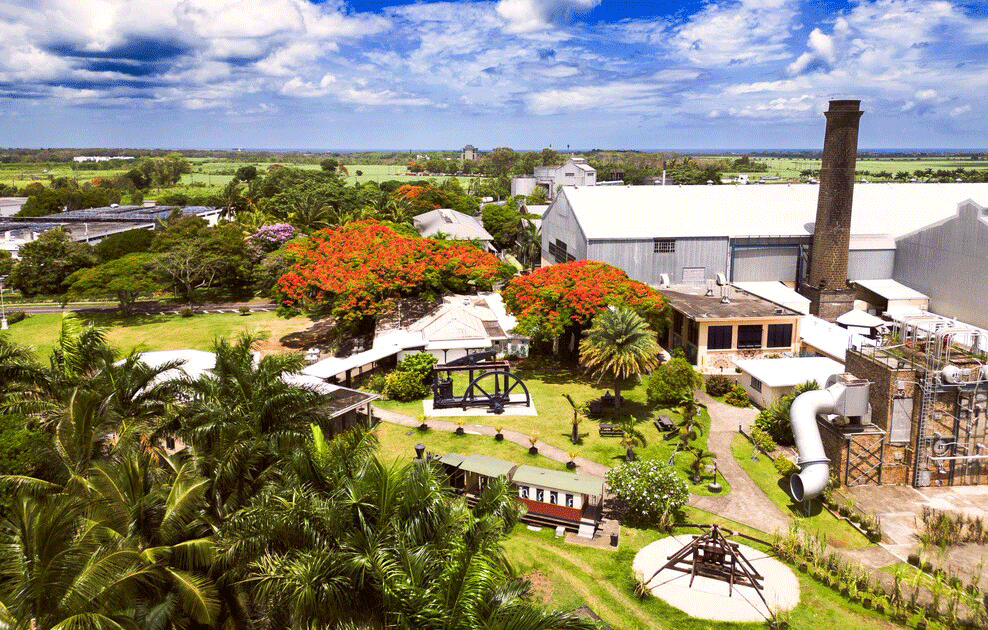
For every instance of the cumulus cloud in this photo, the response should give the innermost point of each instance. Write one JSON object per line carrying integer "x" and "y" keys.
{"x": 820, "y": 51}
{"x": 736, "y": 33}
{"x": 532, "y": 15}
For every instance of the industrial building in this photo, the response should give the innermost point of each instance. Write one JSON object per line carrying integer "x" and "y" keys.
{"x": 575, "y": 172}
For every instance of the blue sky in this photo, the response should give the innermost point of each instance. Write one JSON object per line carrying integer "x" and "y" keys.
{"x": 519, "y": 73}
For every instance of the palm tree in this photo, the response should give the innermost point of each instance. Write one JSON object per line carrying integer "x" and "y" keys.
{"x": 578, "y": 410}
{"x": 531, "y": 242}
{"x": 619, "y": 344}
{"x": 631, "y": 437}
{"x": 689, "y": 426}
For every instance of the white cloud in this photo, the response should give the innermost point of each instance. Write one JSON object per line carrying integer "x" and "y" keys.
{"x": 821, "y": 49}
{"x": 732, "y": 33}
{"x": 960, "y": 111}
{"x": 532, "y": 15}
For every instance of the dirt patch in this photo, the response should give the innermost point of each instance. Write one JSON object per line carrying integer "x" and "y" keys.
{"x": 541, "y": 587}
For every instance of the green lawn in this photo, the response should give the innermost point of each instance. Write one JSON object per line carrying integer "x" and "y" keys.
{"x": 568, "y": 576}
{"x": 157, "y": 332}
{"x": 398, "y": 442}
{"x": 553, "y": 425}
{"x": 791, "y": 167}
{"x": 838, "y": 533}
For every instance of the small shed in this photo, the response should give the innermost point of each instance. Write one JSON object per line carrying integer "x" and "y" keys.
{"x": 886, "y": 294}
{"x": 860, "y": 322}
{"x": 767, "y": 380}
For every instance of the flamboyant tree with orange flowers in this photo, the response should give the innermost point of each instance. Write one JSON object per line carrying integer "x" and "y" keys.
{"x": 351, "y": 271}
{"x": 564, "y": 298}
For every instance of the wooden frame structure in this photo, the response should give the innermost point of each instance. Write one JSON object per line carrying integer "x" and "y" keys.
{"x": 479, "y": 392}
{"x": 712, "y": 555}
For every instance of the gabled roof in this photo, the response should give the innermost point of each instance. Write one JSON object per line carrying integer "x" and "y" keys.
{"x": 487, "y": 466}
{"x": 891, "y": 289}
{"x": 452, "y": 223}
{"x": 641, "y": 212}
{"x": 790, "y": 371}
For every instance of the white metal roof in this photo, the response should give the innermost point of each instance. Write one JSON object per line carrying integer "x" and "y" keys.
{"x": 856, "y": 317}
{"x": 456, "y": 224}
{"x": 195, "y": 363}
{"x": 891, "y": 289}
{"x": 778, "y": 293}
{"x": 789, "y": 372}
{"x": 334, "y": 366}
{"x": 829, "y": 338}
{"x": 880, "y": 210}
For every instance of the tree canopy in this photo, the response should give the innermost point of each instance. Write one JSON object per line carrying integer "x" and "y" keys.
{"x": 351, "y": 270}
{"x": 125, "y": 279}
{"x": 47, "y": 261}
{"x": 551, "y": 299}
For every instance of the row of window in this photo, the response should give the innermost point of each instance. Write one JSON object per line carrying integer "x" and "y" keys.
{"x": 663, "y": 246}
{"x": 553, "y": 496}
{"x": 749, "y": 336}
{"x": 557, "y": 249}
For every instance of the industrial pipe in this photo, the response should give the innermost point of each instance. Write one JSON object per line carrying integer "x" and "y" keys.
{"x": 814, "y": 466}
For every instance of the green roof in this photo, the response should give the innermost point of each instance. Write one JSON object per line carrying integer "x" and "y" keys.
{"x": 558, "y": 480}
{"x": 452, "y": 459}
{"x": 481, "y": 464}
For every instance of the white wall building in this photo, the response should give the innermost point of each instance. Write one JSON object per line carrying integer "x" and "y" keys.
{"x": 575, "y": 172}
{"x": 767, "y": 380}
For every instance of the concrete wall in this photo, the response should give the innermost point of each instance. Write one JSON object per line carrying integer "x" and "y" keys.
{"x": 870, "y": 264}
{"x": 949, "y": 263}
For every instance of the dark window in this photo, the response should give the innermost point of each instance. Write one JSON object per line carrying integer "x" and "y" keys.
{"x": 569, "y": 500}
{"x": 663, "y": 246}
{"x": 540, "y": 495}
{"x": 692, "y": 332}
{"x": 719, "y": 337}
{"x": 756, "y": 384}
{"x": 554, "y": 497}
{"x": 779, "y": 335}
{"x": 557, "y": 249}
{"x": 524, "y": 492}
{"x": 750, "y": 336}
{"x": 677, "y": 322}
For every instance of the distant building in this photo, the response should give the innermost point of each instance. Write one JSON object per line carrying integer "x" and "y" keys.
{"x": 767, "y": 380}
{"x": 100, "y": 158}
{"x": 575, "y": 172}
{"x": 454, "y": 225}
{"x": 470, "y": 152}
{"x": 92, "y": 225}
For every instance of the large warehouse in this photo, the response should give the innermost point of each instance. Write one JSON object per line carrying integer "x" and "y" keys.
{"x": 749, "y": 233}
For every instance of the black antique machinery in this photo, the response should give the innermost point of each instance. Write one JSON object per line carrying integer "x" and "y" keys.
{"x": 492, "y": 387}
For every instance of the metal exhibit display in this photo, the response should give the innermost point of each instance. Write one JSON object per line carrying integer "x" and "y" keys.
{"x": 495, "y": 387}
{"x": 711, "y": 555}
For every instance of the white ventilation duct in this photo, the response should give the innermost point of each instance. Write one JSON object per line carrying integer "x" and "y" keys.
{"x": 814, "y": 466}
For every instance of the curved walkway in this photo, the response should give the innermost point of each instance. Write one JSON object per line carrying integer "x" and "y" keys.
{"x": 746, "y": 503}
{"x": 582, "y": 465}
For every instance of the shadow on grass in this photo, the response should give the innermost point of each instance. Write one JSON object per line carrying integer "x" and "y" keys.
{"x": 114, "y": 319}
{"x": 799, "y": 509}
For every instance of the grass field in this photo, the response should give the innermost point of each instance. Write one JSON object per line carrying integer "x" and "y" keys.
{"x": 791, "y": 167}
{"x": 157, "y": 332}
{"x": 568, "y": 576}
{"x": 820, "y": 522}
{"x": 207, "y": 176}
{"x": 553, "y": 425}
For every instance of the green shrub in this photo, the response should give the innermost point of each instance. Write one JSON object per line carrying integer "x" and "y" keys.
{"x": 671, "y": 381}
{"x": 244, "y": 310}
{"x": 16, "y": 316}
{"x": 649, "y": 492}
{"x": 762, "y": 440}
{"x": 718, "y": 385}
{"x": 375, "y": 383}
{"x": 419, "y": 364}
{"x": 913, "y": 559}
{"x": 186, "y": 312}
{"x": 775, "y": 419}
{"x": 737, "y": 397}
{"x": 404, "y": 386}
{"x": 785, "y": 466}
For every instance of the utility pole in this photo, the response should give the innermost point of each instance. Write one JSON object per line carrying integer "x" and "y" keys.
{"x": 3, "y": 308}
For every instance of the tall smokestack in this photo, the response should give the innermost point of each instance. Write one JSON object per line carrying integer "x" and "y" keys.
{"x": 826, "y": 285}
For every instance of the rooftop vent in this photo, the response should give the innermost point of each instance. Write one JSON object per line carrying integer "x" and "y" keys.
{"x": 446, "y": 215}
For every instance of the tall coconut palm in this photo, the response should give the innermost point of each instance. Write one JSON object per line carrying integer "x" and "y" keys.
{"x": 619, "y": 344}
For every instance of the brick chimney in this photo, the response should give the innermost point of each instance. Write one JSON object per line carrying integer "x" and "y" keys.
{"x": 826, "y": 286}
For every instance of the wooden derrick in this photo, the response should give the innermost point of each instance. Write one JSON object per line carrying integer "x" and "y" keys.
{"x": 712, "y": 555}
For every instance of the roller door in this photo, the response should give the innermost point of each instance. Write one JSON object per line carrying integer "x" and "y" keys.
{"x": 762, "y": 264}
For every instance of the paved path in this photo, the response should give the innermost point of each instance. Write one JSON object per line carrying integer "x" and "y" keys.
{"x": 582, "y": 465}
{"x": 746, "y": 503}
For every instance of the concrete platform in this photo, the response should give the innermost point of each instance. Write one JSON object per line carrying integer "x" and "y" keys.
{"x": 456, "y": 412}
{"x": 708, "y": 598}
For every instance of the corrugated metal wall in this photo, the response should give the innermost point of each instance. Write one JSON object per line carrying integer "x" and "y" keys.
{"x": 640, "y": 261}
{"x": 949, "y": 263}
{"x": 559, "y": 223}
{"x": 870, "y": 264}
{"x": 760, "y": 264}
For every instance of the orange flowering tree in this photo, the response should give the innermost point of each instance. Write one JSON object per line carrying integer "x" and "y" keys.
{"x": 554, "y": 299}
{"x": 350, "y": 271}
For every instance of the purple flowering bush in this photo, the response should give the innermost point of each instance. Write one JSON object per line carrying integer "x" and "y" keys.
{"x": 270, "y": 237}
